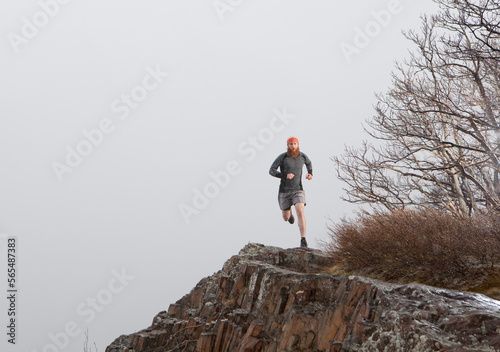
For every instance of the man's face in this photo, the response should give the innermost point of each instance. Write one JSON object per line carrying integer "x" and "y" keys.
{"x": 293, "y": 146}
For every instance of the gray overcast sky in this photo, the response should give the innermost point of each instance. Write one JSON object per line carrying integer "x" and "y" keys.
{"x": 137, "y": 136}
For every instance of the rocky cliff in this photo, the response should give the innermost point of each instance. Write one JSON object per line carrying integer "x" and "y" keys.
{"x": 272, "y": 299}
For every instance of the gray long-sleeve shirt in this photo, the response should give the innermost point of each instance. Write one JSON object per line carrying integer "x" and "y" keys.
{"x": 291, "y": 165}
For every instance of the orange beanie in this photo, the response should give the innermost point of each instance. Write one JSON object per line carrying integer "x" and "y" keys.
{"x": 291, "y": 140}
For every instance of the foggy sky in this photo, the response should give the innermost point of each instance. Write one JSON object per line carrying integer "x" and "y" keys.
{"x": 137, "y": 137}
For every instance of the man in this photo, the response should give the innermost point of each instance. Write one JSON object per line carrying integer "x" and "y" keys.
{"x": 291, "y": 191}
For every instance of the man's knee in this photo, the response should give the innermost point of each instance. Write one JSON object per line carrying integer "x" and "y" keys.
{"x": 286, "y": 215}
{"x": 299, "y": 208}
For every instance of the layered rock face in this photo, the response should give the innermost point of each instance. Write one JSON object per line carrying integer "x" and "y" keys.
{"x": 270, "y": 299}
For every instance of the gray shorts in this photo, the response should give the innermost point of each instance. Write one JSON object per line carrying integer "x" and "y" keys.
{"x": 286, "y": 200}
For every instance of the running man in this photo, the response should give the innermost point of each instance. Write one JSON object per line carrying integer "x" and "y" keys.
{"x": 291, "y": 191}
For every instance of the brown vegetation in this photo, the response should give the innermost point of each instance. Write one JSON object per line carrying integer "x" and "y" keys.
{"x": 425, "y": 246}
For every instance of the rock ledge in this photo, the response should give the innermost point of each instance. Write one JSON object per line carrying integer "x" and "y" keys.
{"x": 271, "y": 300}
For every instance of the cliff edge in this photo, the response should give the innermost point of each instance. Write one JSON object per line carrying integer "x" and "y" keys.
{"x": 270, "y": 299}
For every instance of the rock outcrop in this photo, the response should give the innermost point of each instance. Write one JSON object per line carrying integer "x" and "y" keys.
{"x": 270, "y": 299}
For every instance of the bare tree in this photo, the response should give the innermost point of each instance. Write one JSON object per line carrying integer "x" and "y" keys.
{"x": 86, "y": 347}
{"x": 480, "y": 17}
{"x": 435, "y": 133}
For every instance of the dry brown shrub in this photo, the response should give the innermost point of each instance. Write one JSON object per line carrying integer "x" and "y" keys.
{"x": 425, "y": 246}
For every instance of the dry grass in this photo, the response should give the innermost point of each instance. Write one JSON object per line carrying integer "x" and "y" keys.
{"x": 424, "y": 246}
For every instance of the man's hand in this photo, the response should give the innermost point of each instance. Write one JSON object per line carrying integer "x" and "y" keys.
{"x": 309, "y": 176}
{"x": 290, "y": 176}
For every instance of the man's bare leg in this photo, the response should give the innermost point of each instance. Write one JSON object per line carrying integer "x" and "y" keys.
{"x": 287, "y": 214}
{"x": 299, "y": 208}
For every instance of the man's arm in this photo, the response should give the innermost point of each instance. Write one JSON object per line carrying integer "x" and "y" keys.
{"x": 273, "y": 171}
{"x": 309, "y": 167}
{"x": 308, "y": 164}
